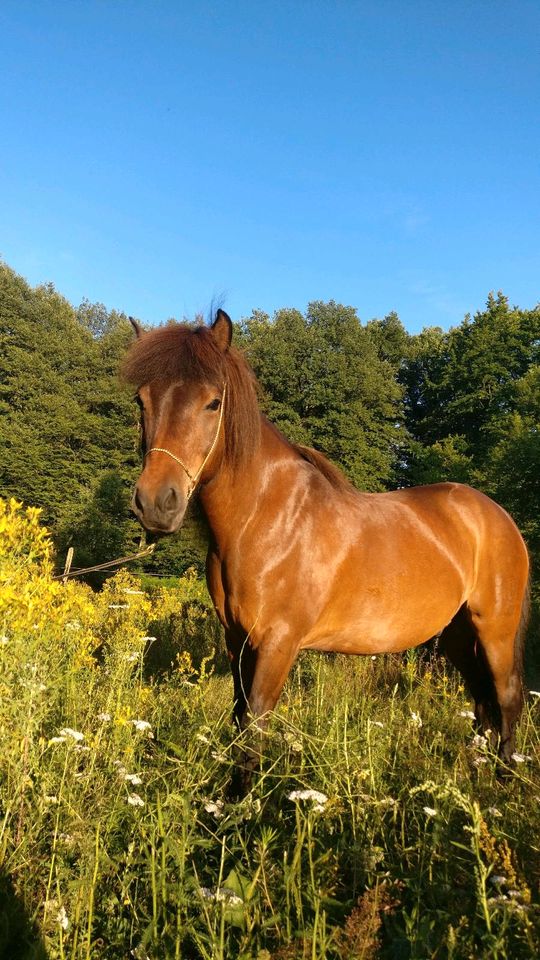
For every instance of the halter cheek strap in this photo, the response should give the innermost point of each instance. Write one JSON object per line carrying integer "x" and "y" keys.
{"x": 194, "y": 478}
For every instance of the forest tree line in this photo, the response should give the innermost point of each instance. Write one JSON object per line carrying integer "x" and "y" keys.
{"x": 389, "y": 407}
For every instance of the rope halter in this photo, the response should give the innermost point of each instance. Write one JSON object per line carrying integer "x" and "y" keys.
{"x": 194, "y": 478}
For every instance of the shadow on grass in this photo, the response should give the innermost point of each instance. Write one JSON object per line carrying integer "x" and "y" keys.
{"x": 20, "y": 938}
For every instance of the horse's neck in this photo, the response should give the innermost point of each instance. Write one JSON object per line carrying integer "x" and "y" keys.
{"x": 231, "y": 497}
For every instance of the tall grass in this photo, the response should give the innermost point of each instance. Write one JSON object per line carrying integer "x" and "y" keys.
{"x": 377, "y": 827}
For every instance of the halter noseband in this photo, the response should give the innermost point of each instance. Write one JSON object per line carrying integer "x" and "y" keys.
{"x": 193, "y": 480}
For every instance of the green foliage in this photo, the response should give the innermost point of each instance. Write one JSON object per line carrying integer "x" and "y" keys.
{"x": 68, "y": 426}
{"x": 461, "y": 382}
{"x": 327, "y": 383}
{"x": 63, "y": 417}
{"x": 377, "y": 827}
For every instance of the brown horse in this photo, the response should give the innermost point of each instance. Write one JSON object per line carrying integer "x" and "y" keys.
{"x": 299, "y": 559}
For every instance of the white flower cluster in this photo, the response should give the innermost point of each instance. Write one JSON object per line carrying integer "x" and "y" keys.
{"x": 66, "y": 735}
{"x": 215, "y": 807}
{"x": 221, "y": 895}
{"x": 319, "y": 799}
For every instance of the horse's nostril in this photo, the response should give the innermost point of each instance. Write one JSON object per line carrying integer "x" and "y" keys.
{"x": 167, "y": 502}
{"x": 137, "y": 500}
{"x": 171, "y": 500}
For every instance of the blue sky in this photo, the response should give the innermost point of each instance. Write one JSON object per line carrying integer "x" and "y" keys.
{"x": 154, "y": 155}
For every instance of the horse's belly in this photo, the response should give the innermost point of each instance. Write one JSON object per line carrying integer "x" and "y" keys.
{"x": 391, "y": 599}
{"x": 382, "y": 629}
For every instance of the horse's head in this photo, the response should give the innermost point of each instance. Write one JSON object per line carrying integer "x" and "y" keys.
{"x": 181, "y": 377}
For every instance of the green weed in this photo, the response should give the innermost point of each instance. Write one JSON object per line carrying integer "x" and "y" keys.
{"x": 376, "y": 828}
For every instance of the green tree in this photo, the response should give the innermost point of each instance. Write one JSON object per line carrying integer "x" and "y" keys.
{"x": 467, "y": 377}
{"x": 324, "y": 384}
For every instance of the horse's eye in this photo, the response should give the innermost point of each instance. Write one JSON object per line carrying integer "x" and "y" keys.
{"x": 214, "y": 404}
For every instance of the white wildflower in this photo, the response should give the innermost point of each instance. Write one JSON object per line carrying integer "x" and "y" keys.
{"x": 478, "y": 761}
{"x": 118, "y": 606}
{"x": 143, "y": 727}
{"x": 133, "y": 593}
{"x": 533, "y": 693}
{"x": 376, "y": 723}
{"x": 374, "y": 657}
{"x": 468, "y": 714}
{"x": 70, "y": 732}
{"x": 202, "y": 738}
{"x": 387, "y": 802}
{"x": 319, "y": 799}
{"x": 520, "y": 757}
{"x": 220, "y": 757}
{"x": 221, "y": 895}
{"x": 214, "y": 807}
{"x": 479, "y": 741}
{"x": 73, "y": 625}
{"x": 57, "y": 740}
{"x": 4, "y": 639}
{"x": 135, "y": 800}
{"x": 148, "y": 639}
{"x": 132, "y": 657}
{"x": 416, "y": 719}
{"x": 104, "y": 717}
{"x": 430, "y": 812}
{"x": 494, "y": 811}
{"x": 497, "y": 880}
{"x": 62, "y": 918}
{"x": 50, "y": 798}
{"x": 132, "y": 778}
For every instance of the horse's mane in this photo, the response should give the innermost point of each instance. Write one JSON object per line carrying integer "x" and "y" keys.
{"x": 331, "y": 473}
{"x": 182, "y": 351}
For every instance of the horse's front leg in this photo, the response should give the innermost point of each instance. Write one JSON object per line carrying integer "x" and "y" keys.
{"x": 259, "y": 674}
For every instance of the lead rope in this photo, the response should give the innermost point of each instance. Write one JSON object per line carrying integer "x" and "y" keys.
{"x": 105, "y": 566}
{"x": 193, "y": 480}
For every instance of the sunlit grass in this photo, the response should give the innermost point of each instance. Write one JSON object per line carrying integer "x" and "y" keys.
{"x": 376, "y": 828}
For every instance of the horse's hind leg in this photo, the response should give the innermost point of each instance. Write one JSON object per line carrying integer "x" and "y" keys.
{"x": 487, "y": 652}
{"x": 500, "y": 642}
{"x": 459, "y": 641}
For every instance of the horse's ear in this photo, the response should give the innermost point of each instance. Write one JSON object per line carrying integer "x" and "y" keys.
{"x": 139, "y": 332}
{"x": 222, "y": 330}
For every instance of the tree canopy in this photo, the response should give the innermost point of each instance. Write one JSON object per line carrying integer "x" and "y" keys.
{"x": 389, "y": 407}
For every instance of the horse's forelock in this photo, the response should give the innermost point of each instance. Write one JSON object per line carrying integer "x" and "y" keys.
{"x": 181, "y": 351}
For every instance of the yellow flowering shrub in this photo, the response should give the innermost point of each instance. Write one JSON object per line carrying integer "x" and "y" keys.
{"x": 32, "y": 603}
{"x": 74, "y": 650}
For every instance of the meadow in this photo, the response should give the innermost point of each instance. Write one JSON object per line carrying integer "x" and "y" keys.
{"x": 377, "y": 827}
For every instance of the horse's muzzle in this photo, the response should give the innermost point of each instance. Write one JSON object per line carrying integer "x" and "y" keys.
{"x": 161, "y": 511}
